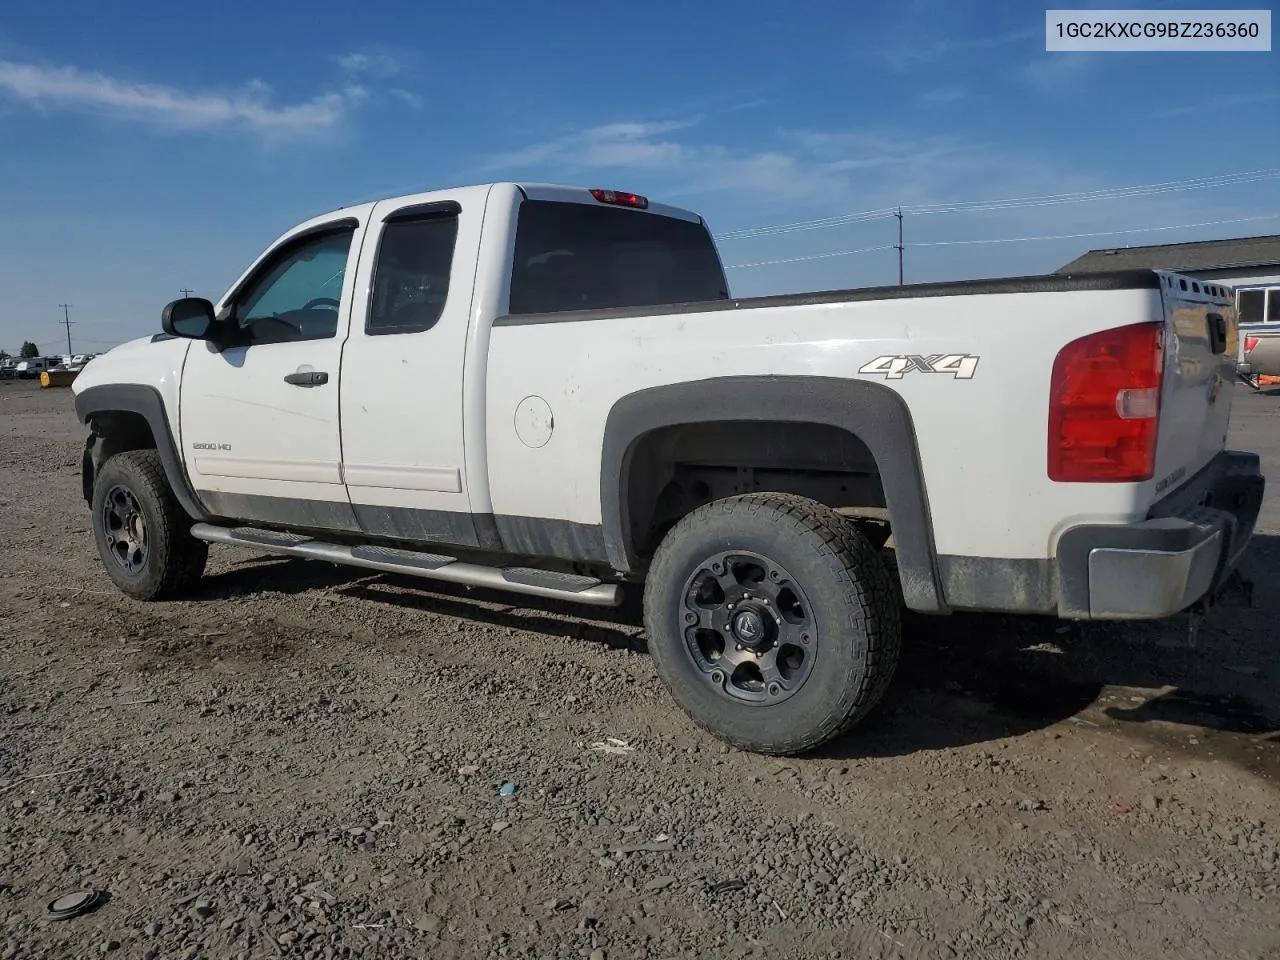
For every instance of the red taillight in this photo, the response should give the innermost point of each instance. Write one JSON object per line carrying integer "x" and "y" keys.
{"x": 1249, "y": 344}
{"x": 1104, "y": 406}
{"x": 619, "y": 199}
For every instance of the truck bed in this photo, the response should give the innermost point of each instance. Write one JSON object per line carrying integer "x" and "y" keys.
{"x": 1040, "y": 283}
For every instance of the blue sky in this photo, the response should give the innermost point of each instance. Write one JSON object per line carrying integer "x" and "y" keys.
{"x": 161, "y": 146}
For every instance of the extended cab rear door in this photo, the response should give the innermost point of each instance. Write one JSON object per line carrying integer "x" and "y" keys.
{"x": 404, "y": 369}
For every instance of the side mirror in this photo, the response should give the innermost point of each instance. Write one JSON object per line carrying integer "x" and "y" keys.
{"x": 190, "y": 317}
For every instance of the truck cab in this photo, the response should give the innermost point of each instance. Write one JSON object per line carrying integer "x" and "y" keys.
{"x": 374, "y": 320}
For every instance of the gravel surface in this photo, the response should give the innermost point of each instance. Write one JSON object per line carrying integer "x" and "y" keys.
{"x": 307, "y": 761}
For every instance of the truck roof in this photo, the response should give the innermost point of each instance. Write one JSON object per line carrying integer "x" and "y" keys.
{"x": 565, "y": 193}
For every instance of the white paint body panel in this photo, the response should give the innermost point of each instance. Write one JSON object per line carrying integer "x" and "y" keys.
{"x": 143, "y": 362}
{"x": 983, "y": 442}
{"x": 429, "y": 420}
{"x": 401, "y": 403}
{"x": 274, "y": 439}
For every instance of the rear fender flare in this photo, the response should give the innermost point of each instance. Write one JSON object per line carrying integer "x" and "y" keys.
{"x": 874, "y": 413}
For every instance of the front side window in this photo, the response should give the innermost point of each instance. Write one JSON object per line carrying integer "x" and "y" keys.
{"x": 297, "y": 297}
{"x": 411, "y": 276}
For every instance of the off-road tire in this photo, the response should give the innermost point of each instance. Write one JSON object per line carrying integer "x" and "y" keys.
{"x": 855, "y": 605}
{"x": 174, "y": 560}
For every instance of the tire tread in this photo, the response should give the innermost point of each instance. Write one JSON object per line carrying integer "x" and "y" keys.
{"x": 181, "y": 557}
{"x": 868, "y": 581}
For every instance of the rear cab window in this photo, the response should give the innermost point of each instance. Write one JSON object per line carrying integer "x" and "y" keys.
{"x": 576, "y": 256}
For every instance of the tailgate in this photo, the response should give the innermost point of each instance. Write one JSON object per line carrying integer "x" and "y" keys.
{"x": 1201, "y": 352}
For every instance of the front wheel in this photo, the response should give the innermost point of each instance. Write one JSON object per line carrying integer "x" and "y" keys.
{"x": 142, "y": 532}
{"x": 773, "y": 621}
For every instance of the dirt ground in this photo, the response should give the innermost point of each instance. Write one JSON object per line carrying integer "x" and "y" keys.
{"x": 308, "y": 761}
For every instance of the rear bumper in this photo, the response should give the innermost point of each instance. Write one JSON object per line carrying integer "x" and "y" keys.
{"x": 1181, "y": 554}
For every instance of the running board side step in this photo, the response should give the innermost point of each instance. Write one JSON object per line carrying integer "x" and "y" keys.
{"x": 432, "y": 566}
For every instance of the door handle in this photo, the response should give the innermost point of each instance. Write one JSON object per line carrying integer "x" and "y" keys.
{"x": 312, "y": 378}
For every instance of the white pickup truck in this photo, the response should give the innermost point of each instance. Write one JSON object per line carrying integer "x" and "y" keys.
{"x": 549, "y": 390}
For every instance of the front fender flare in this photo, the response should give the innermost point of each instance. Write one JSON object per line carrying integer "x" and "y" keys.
{"x": 147, "y": 403}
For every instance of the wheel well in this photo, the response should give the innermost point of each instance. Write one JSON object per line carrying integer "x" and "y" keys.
{"x": 676, "y": 469}
{"x": 113, "y": 432}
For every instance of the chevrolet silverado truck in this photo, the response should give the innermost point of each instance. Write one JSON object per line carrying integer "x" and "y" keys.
{"x": 549, "y": 390}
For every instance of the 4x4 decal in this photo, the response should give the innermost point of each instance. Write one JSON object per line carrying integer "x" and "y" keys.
{"x": 961, "y": 366}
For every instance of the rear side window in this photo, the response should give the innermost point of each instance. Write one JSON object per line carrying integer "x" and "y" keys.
{"x": 411, "y": 275}
{"x": 574, "y": 256}
{"x": 1250, "y": 308}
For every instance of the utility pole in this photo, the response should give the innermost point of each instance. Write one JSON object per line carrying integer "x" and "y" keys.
{"x": 66, "y": 322}
{"x": 899, "y": 244}
{"x": 185, "y": 292}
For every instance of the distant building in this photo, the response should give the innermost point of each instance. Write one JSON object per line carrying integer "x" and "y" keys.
{"x": 1249, "y": 264}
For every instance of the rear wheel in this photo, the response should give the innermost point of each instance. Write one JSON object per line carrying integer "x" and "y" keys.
{"x": 141, "y": 530}
{"x": 773, "y": 621}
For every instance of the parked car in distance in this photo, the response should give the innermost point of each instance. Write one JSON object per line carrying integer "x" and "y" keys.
{"x": 29, "y": 368}
{"x": 550, "y": 391}
{"x": 1258, "y": 308}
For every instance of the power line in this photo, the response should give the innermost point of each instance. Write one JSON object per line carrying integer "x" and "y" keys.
{"x": 1007, "y": 203}
{"x": 1110, "y": 193}
{"x": 816, "y": 256}
{"x": 749, "y": 233}
{"x": 1102, "y": 233}
{"x": 953, "y": 243}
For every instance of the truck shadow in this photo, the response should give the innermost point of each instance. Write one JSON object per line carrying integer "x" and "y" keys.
{"x": 963, "y": 679}
{"x": 969, "y": 679}
{"x": 617, "y": 628}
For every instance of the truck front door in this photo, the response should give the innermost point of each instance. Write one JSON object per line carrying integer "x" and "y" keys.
{"x": 259, "y": 416}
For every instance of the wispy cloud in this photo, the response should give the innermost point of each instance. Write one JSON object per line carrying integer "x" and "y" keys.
{"x": 378, "y": 67}
{"x": 407, "y": 97}
{"x": 370, "y": 63}
{"x": 799, "y": 166}
{"x": 944, "y": 96}
{"x": 749, "y": 105}
{"x": 1223, "y": 103}
{"x": 251, "y": 107}
{"x": 811, "y": 173}
{"x": 923, "y": 52}
{"x": 610, "y": 145}
{"x": 1055, "y": 73}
